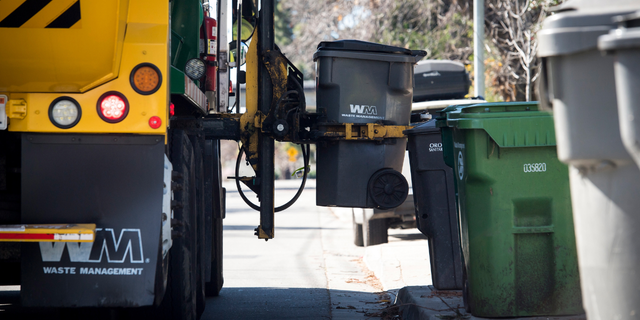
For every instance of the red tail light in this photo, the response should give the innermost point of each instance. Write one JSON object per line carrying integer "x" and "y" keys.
{"x": 230, "y": 86}
{"x": 172, "y": 109}
{"x": 113, "y": 107}
{"x": 155, "y": 122}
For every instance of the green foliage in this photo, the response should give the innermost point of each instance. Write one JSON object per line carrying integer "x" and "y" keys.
{"x": 282, "y": 25}
{"x": 444, "y": 30}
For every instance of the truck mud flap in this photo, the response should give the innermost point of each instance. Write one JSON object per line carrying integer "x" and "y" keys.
{"x": 114, "y": 181}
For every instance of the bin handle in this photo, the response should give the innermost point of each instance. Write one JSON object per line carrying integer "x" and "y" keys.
{"x": 545, "y": 96}
{"x": 418, "y": 54}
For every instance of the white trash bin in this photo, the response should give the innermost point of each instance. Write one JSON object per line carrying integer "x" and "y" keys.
{"x": 578, "y": 85}
{"x": 624, "y": 44}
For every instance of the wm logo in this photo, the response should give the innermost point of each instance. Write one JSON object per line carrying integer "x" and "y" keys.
{"x": 61, "y": 14}
{"x": 363, "y": 109}
{"x": 116, "y": 250}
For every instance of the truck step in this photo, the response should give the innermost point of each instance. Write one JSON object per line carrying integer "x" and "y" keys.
{"x": 48, "y": 232}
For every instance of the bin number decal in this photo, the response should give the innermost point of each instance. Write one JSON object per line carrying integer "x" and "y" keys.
{"x": 460, "y": 165}
{"x": 535, "y": 167}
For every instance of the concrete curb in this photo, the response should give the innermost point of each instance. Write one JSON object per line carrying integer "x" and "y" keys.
{"x": 426, "y": 303}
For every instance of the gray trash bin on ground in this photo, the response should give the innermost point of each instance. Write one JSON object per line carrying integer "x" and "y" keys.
{"x": 578, "y": 85}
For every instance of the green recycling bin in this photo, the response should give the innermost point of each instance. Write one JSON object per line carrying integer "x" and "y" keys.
{"x": 514, "y": 203}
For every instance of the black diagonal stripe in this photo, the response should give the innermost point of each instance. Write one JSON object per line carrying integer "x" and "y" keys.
{"x": 67, "y": 18}
{"x": 23, "y": 13}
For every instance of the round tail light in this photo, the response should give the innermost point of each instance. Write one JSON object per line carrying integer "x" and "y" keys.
{"x": 113, "y": 107}
{"x": 145, "y": 78}
{"x": 195, "y": 68}
{"x": 155, "y": 122}
{"x": 64, "y": 112}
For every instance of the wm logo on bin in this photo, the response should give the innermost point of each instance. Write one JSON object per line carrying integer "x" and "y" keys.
{"x": 364, "y": 109}
{"x": 116, "y": 250}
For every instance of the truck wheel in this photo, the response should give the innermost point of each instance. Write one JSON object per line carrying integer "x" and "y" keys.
{"x": 180, "y": 297}
{"x": 198, "y": 143}
{"x": 215, "y": 285}
{"x": 374, "y": 231}
{"x": 216, "y": 215}
{"x": 358, "y": 239}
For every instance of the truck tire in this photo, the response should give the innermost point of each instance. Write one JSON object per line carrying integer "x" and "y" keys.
{"x": 215, "y": 214}
{"x": 179, "y": 301}
{"x": 198, "y": 143}
{"x": 213, "y": 287}
{"x": 374, "y": 231}
{"x": 358, "y": 238}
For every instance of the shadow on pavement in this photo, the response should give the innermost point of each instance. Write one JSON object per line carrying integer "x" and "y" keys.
{"x": 408, "y": 236}
{"x": 233, "y": 303}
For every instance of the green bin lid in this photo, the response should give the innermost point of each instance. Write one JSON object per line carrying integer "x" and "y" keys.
{"x": 509, "y": 124}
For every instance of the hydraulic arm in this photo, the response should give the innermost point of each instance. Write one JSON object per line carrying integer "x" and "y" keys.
{"x": 275, "y": 110}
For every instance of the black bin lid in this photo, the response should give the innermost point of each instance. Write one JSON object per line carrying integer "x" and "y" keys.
{"x": 364, "y": 46}
{"x": 425, "y": 128}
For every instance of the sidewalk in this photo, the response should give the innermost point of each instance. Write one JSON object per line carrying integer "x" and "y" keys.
{"x": 403, "y": 268}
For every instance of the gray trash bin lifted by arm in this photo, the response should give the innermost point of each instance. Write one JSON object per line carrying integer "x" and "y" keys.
{"x": 361, "y": 82}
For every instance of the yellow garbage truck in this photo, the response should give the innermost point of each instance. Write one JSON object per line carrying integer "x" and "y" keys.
{"x": 107, "y": 184}
{"x": 111, "y": 113}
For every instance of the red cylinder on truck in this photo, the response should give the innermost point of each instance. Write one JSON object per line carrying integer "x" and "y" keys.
{"x": 211, "y": 50}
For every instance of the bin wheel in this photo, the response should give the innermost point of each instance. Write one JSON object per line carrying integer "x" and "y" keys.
{"x": 375, "y": 231}
{"x": 388, "y": 189}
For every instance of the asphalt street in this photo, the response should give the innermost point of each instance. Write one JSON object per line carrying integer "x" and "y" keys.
{"x": 310, "y": 270}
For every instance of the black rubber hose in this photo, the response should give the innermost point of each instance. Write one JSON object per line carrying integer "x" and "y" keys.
{"x": 305, "y": 156}
{"x": 237, "y": 174}
{"x": 279, "y": 112}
